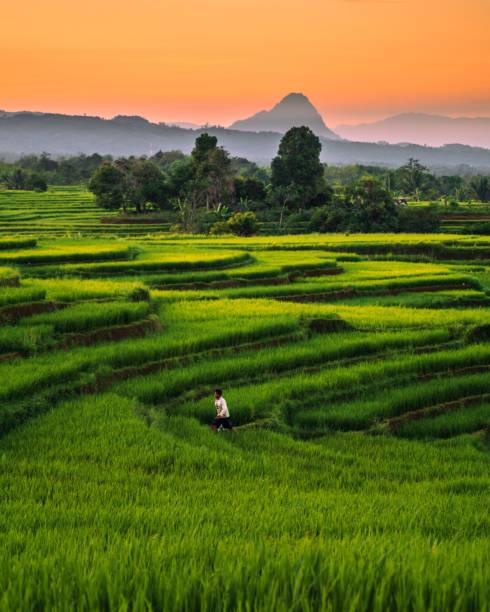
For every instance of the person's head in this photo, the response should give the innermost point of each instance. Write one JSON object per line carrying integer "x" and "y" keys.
{"x": 218, "y": 393}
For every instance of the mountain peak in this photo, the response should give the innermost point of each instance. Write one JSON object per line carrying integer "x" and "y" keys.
{"x": 294, "y": 96}
{"x": 294, "y": 110}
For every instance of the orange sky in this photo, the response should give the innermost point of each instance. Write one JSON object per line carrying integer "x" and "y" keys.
{"x": 219, "y": 60}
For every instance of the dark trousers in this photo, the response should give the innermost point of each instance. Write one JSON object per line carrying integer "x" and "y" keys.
{"x": 224, "y": 422}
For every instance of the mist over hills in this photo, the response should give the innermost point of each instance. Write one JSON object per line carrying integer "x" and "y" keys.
{"x": 293, "y": 110}
{"x": 421, "y": 128}
{"x": 23, "y": 133}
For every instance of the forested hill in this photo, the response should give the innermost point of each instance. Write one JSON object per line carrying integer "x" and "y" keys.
{"x": 24, "y": 133}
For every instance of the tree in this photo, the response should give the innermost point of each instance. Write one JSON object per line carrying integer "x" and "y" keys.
{"x": 203, "y": 146}
{"x": 179, "y": 177}
{"x": 201, "y": 185}
{"x": 371, "y": 205}
{"x": 36, "y": 182}
{"x": 211, "y": 173}
{"x": 249, "y": 189}
{"x": 297, "y": 173}
{"x": 481, "y": 187}
{"x": 414, "y": 177}
{"x": 241, "y": 167}
{"x": 17, "y": 179}
{"x": 333, "y": 217}
{"x": 129, "y": 183}
{"x": 450, "y": 185}
{"x": 165, "y": 159}
{"x": 149, "y": 184}
{"x": 108, "y": 183}
{"x": 364, "y": 206}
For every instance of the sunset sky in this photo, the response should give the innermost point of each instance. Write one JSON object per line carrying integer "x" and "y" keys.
{"x": 219, "y": 60}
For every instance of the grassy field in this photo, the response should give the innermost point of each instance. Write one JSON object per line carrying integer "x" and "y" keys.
{"x": 357, "y": 371}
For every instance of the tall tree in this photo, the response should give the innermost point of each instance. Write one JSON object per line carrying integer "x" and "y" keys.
{"x": 414, "y": 177}
{"x": 149, "y": 183}
{"x": 248, "y": 189}
{"x": 108, "y": 183}
{"x": 297, "y": 173}
{"x": 212, "y": 175}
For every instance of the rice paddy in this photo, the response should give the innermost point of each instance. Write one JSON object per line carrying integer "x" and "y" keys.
{"x": 357, "y": 373}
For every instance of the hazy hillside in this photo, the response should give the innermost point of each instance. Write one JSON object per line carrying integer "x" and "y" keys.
{"x": 23, "y": 133}
{"x": 292, "y": 111}
{"x": 419, "y": 128}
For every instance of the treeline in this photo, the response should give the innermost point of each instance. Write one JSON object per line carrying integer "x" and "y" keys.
{"x": 64, "y": 171}
{"x": 209, "y": 190}
{"x": 416, "y": 182}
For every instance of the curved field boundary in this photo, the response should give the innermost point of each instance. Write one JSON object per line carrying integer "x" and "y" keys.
{"x": 476, "y": 369}
{"x": 436, "y": 409}
{"x": 134, "y": 221}
{"x": 115, "y": 333}
{"x": 20, "y": 311}
{"x": 88, "y": 317}
{"x": 20, "y": 295}
{"x": 467, "y": 217}
{"x": 408, "y": 378}
{"x": 41, "y": 257}
{"x": 122, "y": 374}
{"x": 137, "y": 266}
{"x": 245, "y": 282}
{"x": 353, "y": 293}
{"x": 309, "y": 365}
{"x": 224, "y": 284}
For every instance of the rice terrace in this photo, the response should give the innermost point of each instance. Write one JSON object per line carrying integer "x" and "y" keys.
{"x": 356, "y": 368}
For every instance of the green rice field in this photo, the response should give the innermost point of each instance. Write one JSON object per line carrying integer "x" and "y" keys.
{"x": 357, "y": 373}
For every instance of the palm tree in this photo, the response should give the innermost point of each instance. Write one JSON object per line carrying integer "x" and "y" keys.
{"x": 481, "y": 187}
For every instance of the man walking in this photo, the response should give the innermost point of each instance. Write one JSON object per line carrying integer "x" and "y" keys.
{"x": 222, "y": 420}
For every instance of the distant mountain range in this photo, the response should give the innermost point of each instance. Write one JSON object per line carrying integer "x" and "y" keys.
{"x": 22, "y": 133}
{"x": 292, "y": 111}
{"x": 419, "y": 128}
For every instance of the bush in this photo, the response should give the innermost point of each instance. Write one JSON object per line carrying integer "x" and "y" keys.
{"x": 139, "y": 294}
{"x": 240, "y": 224}
{"x": 36, "y": 182}
{"x": 325, "y": 326}
{"x": 243, "y": 224}
{"x": 482, "y": 229}
{"x": 479, "y": 333}
{"x": 219, "y": 228}
{"x": 327, "y": 219}
{"x": 419, "y": 219}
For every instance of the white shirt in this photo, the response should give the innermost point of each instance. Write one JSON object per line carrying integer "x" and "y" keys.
{"x": 221, "y": 408}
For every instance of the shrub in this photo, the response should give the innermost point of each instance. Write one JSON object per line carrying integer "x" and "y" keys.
{"x": 418, "y": 219}
{"x": 219, "y": 228}
{"x": 479, "y": 333}
{"x": 243, "y": 224}
{"x": 139, "y": 294}
{"x": 478, "y": 228}
{"x": 325, "y": 326}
